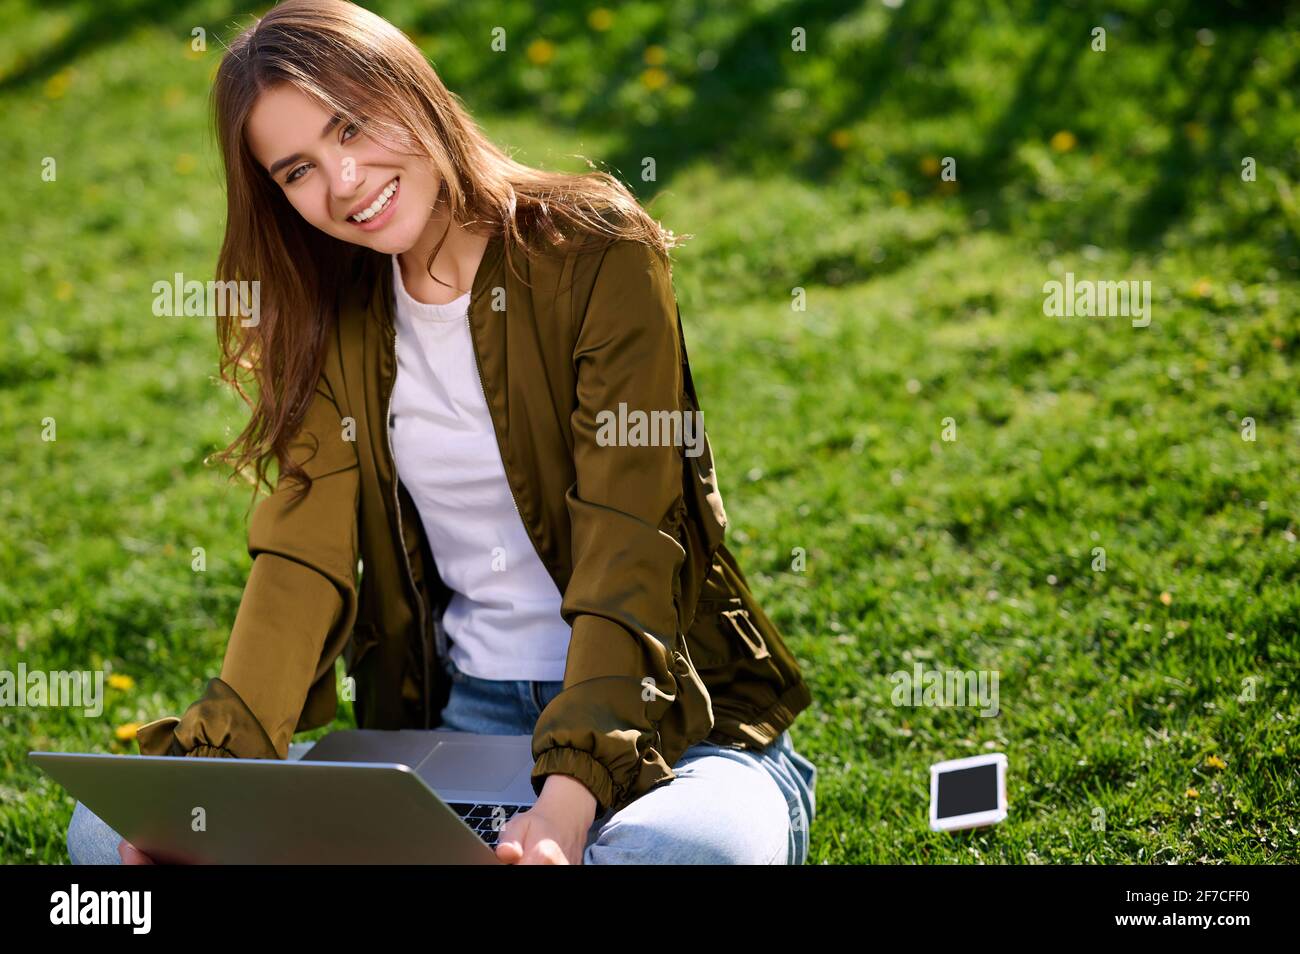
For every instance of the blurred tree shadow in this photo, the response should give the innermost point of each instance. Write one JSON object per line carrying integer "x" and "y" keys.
{"x": 728, "y": 102}
{"x": 726, "y": 99}
{"x": 1048, "y": 97}
{"x": 733, "y": 116}
{"x": 101, "y": 24}
{"x": 1210, "y": 106}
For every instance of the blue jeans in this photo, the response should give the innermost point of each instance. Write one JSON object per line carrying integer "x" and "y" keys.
{"x": 727, "y": 805}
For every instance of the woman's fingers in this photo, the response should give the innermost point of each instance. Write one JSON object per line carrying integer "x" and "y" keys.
{"x": 131, "y": 855}
{"x": 510, "y": 839}
{"x": 527, "y": 839}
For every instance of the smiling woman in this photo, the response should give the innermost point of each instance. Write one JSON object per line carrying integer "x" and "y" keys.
{"x": 572, "y": 567}
{"x": 338, "y": 180}
{"x": 320, "y": 108}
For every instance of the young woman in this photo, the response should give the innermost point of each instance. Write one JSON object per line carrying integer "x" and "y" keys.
{"x": 493, "y": 495}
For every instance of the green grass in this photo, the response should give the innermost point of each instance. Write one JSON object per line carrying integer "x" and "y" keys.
{"x": 1120, "y": 690}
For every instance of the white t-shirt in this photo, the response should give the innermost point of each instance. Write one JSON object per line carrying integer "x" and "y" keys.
{"x": 503, "y": 620}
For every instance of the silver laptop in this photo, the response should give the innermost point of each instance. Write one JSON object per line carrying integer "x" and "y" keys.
{"x": 358, "y": 796}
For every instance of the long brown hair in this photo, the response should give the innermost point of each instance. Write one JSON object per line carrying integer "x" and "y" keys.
{"x": 362, "y": 68}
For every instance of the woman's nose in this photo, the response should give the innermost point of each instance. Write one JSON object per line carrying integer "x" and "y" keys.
{"x": 345, "y": 179}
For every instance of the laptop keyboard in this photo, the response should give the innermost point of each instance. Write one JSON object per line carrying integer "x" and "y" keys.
{"x": 486, "y": 821}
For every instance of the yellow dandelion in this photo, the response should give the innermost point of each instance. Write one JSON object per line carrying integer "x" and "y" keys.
{"x": 120, "y": 680}
{"x": 185, "y": 163}
{"x": 540, "y": 52}
{"x": 930, "y": 166}
{"x": 58, "y": 84}
{"x": 1215, "y": 762}
{"x": 1193, "y": 793}
{"x": 655, "y": 55}
{"x": 1202, "y": 288}
{"x": 600, "y": 19}
{"x": 1064, "y": 141}
{"x": 1166, "y": 597}
{"x": 654, "y": 78}
{"x": 127, "y": 732}
{"x": 841, "y": 139}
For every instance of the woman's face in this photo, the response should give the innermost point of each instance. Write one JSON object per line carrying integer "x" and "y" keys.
{"x": 341, "y": 181}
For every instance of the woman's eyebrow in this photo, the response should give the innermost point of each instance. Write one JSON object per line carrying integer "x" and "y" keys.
{"x": 281, "y": 163}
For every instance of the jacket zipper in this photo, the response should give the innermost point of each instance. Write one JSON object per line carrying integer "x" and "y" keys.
{"x": 401, "y": 537}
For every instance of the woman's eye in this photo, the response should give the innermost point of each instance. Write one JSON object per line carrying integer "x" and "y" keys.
{"x": 353, "y": 127}
{"x": 297, "y": 173}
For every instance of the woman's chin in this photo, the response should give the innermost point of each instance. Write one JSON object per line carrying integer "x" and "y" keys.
{"x": 391, "y": 240}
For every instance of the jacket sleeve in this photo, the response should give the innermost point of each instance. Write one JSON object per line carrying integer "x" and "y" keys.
{"x": 625, "y": 508}
{"x": 296, "y": 614}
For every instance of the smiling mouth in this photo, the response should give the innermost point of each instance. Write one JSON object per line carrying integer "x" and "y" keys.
{"x": 376, "y": 207}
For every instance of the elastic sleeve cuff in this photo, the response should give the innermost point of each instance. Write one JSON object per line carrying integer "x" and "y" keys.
{"x": 155, "y": 738}
{"x": 218, "y": 725}
{"x": 563, "y": 760}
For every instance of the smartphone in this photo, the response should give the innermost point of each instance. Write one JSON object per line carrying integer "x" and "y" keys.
{"x": 968, "y": 793}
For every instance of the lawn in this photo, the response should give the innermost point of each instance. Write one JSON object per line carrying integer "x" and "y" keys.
{"x": 919, "y": 463}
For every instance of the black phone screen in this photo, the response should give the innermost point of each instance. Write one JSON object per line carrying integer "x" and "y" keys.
{"x": 969, "y": 790}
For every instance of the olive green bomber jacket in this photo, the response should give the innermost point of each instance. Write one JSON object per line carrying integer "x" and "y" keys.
{"x": 668, "y": 646}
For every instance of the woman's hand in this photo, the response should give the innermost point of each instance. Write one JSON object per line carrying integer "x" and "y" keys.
{"x": 552, "y": 832}
{"x": 131, "y": 855}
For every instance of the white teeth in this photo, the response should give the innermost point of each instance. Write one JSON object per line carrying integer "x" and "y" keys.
{"x": 377, "y": 206}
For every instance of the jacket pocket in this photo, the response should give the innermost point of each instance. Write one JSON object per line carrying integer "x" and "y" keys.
{"x": 723, "y": 632}
{"x": 736, "y": 666}
{"x": 740, "y": 621}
